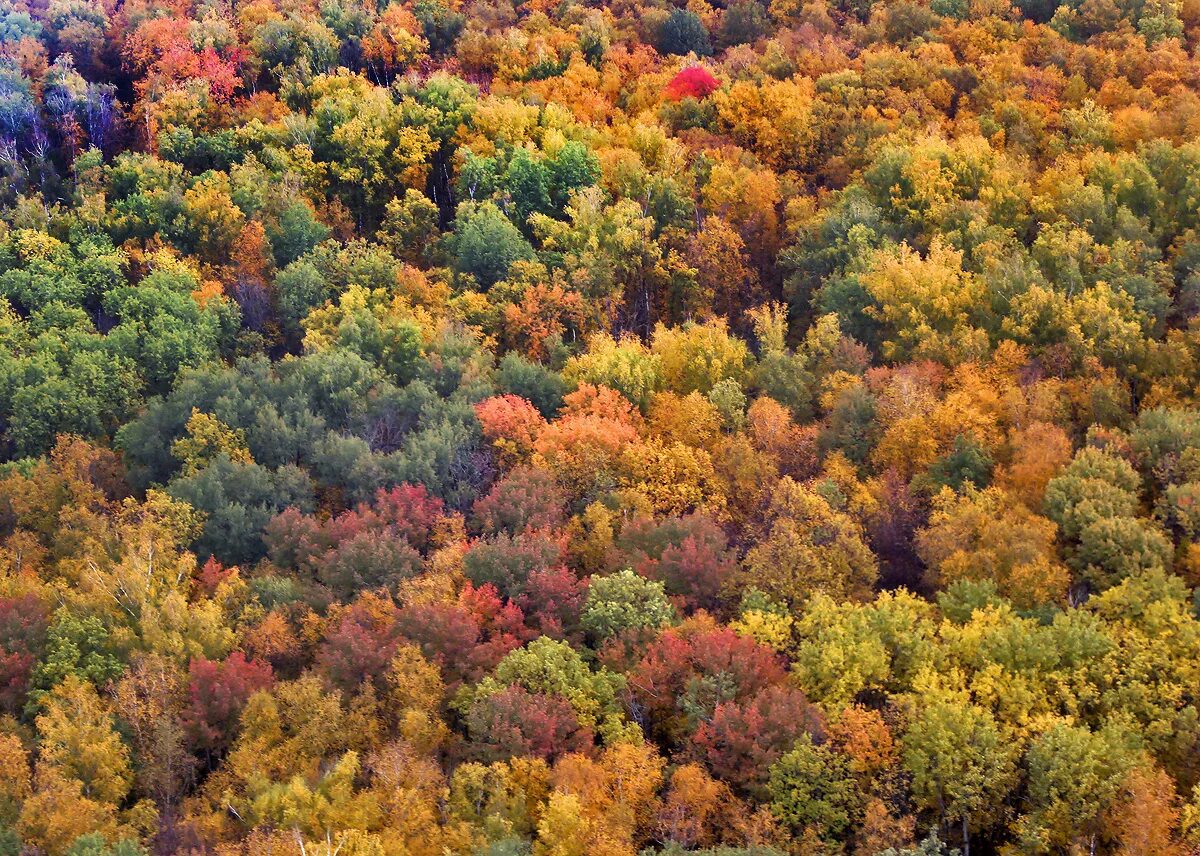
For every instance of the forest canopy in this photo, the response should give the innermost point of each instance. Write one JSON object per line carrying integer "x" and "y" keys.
{"x": 568, "y": 428}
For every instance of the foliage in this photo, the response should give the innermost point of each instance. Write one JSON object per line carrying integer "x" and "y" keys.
{"x": 551, "y": 429}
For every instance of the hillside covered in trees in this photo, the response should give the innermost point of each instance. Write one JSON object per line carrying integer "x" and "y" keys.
{"x": 581, "y": 428}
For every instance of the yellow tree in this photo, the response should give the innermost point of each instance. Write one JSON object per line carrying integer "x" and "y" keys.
{"x": 79, "y": 742}
{"x": 207, "y": 437}
{"x": 696, "y": 357}
{"x": 988, "y": 536}
{"x": 809, "y": 547}
{"x": 616, "y": 794}
{"x": 673, "y": 478}
{"x": 927, "y": 306}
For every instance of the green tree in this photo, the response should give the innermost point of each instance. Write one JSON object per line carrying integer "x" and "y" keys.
{"x": 963, "y": 768}
{"x": 812, "y": 787}
{"x": 625, "y": 601}
{"x": 485, "y": 243}
{"x": 1074, "y": 776}
{"x": 683, "y": 33}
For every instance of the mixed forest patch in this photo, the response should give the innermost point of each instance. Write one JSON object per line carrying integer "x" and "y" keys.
{"x": 530, "y": 428}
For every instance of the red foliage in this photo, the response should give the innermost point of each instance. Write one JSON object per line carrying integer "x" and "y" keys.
{"x": 217, "y": 693}
{"x": 295, "y": 539}
{"x": 446, "y": 633}
{"x": 406, "y": 510}
{"x": 509, "y": 423}
{"x": 163, "y": 50}
{"x": 690, "y": 669}
{"x": 516, "y": 722}
{"x": 689, "y": 555}
{"x": 552, "y": 601}
{"x": 211, "y": 575}
{"x": 526, "y": 498}
{"x": 466, "y": 639}
{"x": 692, "y": 82}
{"x": 405, "y": 513}
{"x": 742, "y": 740}
{"x": 23, "y": 623}
{"x": 501, "y": 624}
{"x": 361, "y": 644}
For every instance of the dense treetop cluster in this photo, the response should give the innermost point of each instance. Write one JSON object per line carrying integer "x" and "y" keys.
{"x": 530, "y": 428}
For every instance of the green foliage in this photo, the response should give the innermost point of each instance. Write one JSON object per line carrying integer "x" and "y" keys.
{"x": 862, "y": 358}
{"x": 624, "y": 601}
{"x": 486, "y": 243}
{"x": 683, "y": 33}
{"x": 79, "y": 646}
{"x": 94, "y": 844}
{"x": 960, "y": 762}
{"x": 811, "y": 787}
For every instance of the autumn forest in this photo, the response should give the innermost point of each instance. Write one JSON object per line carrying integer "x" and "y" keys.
{"x": 600, "y": 427}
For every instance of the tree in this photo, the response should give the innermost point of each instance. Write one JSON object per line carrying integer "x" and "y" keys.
{"x": 238, "y": 499}
{"x": 694, "y": 808}
{"x": 696, "y": 357}
{"x": 534, "y": 382}
{"x": 984, "y": 535}
{"x": 148, "y": 700}
{"x": 672, "y": 478}
{"x": 23, "y": 625}
{"x": 627, "y": 366}
{"x": 695, "y": 81}
{"x": 689, "y": 555}
{"x": 77, "y": 646}
{"x": 375, "y": 325}
{"x": 1146, "y": 819}
{"x": 16, "y": 783}
{"x": 683, "y": 33}
{"x": 509, "y": 795}
{"x": 725, "y": 282}
{"x": 967, "y": 463}
{"x": 926, "y": 305}
{"x": 79, "y": 743}
{"x": 217, "y": 694}
{"x": 624, "y": 602}
{"x": 515, "y": 723}
{"x": 1039, "y": 451}
{"x": 367, "y": 561}
{"x": 810, "y": 547}
{"x": 1074, "y": 777}
{"x": 485, "y": 243}
{"x": 583, "y": 449}
{"x": 527, "y": 498}
{"x": 742, "y": 741}
{"x": 207, "y": 437}
{"x": 396, "y": 42}
{"x": 1095, "y": 501}
{"x": 297, "y": 232}
{"x": 58, "y": 814}
{"x": 552, "y": 668}
{"x": 507, "y": 562}
{"x": 512, "y": 425}
{"x": 960, "y": 764}
{"x": 811, "y": 788}
{"x": 690, "y": 669}
{"x": 95, "y": 844}
{"x": 743, "y": 22}
{"x": 616, "y": 791}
